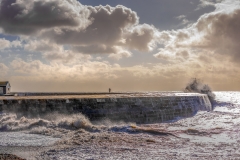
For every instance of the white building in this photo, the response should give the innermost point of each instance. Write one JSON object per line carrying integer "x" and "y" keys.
{"x": 5, "y": 87}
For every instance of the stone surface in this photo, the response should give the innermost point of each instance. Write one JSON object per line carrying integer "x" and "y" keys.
{"x": 136, "y": 107}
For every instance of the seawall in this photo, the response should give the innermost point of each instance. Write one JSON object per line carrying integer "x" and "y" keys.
{"x": 136, "y": 107}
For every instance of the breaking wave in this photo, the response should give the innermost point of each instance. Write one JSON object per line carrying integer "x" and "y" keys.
{"x": 197, "y": 86}
{"x": 58, "y": 124}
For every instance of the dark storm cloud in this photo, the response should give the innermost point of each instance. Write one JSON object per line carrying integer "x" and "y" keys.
{"x": 91, "y": 49}
{"x": 28, "y": 16}
{"x": 85, "y": 29}
{"x": 111, "y": 30}
{"x": 54, "y": 56}
{"x": 108, "y": 24}
{"x": 142, "y": 37}
{"x": 89, "y": 29}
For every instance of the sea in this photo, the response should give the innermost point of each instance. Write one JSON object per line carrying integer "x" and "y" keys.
{"x": 206, "y": 135}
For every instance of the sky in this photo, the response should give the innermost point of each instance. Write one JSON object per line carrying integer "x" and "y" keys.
{"x": 125, "y": 45}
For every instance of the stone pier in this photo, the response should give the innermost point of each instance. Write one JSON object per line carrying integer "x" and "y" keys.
{"x": 141, "y": 107}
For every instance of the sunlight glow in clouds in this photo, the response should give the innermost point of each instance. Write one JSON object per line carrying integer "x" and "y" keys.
{"x": 92, "y": 48}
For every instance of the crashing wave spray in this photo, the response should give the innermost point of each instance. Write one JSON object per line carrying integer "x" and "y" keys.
{"x": 60, "y": 123}
{"x": 197, "y": 86}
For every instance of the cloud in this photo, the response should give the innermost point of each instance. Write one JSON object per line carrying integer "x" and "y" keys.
{"x": 3, "y": 70}
{"x": 95, "y": 49}
{"x": 97, "y": 76}
{"x": 3, "y": 67}
{"x": 59, "y": 72}
{"x": 120, "y": 55}
{"x": 72, "y": 33}
{"x": 164, "y": 55}
{"x": 28, "y": 17}
{"x": 41, "y": 46}
{"x": 183, "y": 53}
{"x": 220, "y": 34}
{"x": 207, "y": 49}
{"x": 111, "y": 28}
{"x": 106, "y": 28}
{"x": 53, "y": 25}
{"x": 173, "y": 55}
{"x": 54, "y": 52}
{"x": 16, "y": 44}
{"x": 183, "y": 19}
{"x": 142, "y": 37}
{"x": 4, "y": 43}
{"x": 205, "y": 3}
{"x": 65, "y": 56}
{"x": 214, "y": 33}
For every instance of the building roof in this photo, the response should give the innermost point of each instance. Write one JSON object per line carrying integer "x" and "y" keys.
{"x": 3, "y": 83}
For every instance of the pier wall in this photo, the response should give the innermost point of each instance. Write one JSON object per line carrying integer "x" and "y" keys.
{"x": 128, "y": 109}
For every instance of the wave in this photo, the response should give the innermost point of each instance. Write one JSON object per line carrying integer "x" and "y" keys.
{"x": 55, "y": 123}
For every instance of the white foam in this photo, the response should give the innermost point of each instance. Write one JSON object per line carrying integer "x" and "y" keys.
{"x": 23, "y": 139}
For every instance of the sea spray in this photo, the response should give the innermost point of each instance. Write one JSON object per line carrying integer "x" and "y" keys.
{"x": 61, "y": 123}
{"x": 197, "y": 86}
{"x": 75, "y": 121}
